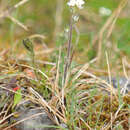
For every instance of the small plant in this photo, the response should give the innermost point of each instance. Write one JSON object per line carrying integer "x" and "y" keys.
{"x": 74, "y": 5}
{"x": 29, "y": 46}
{"x": 17, "y": 98}
{"x": 30, "y": 49}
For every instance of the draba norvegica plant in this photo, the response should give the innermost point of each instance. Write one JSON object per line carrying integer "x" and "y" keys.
{"x": 69, "y": 91}
{"x": 74, "y": 5}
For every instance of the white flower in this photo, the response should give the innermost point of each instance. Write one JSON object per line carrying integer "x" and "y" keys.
{"x": 75, "y": 18}
{"x": 66, "y": 30}
{"x": 71, "y": 2}
{"x": 104, "y": 11}
{"x": 78, "y": 3}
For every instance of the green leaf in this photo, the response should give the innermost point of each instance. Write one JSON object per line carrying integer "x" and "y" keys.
{"x": 17, "y": 98}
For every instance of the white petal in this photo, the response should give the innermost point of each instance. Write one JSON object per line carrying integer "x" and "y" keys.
{"x": 104, "y": 11}
{"x": 78, "y": 3}
{"x": 71, "y": 3}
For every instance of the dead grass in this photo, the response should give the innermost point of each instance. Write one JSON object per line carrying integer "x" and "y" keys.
{"x": 73, "y": 95}
{"x": 82, "y": 103}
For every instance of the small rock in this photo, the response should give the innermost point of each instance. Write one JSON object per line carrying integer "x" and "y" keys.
{"x": 63, "y": 125}
{"x": 38, "y": 122}
{"x": 121, "y": 82}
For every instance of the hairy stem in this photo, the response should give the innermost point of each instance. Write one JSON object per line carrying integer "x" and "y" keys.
{"x": 68, "y": 58}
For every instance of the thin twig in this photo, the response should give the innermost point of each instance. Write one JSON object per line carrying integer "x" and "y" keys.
{"x": 17, "y": 22}
{"x": 9, "y": 11}
{"x": 20, "y": 3}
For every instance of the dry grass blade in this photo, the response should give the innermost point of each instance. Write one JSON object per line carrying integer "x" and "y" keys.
{"x": 108, "y": 126}
{"x": 123, "y": 90}
{"x": 119, "y": 9}
{"x": 57, "y": 86}
{"x": 109, "y": 20}
{"x": 20, "y": 3}
{"x": 37, "y": 36}
{"x": 118, "y": 110}
{"x": 7, "y": 109}
{"x": 109, "y": 74}
{"x": 86, "y": 124}
{"x": 126, "y": 62}
{"x": 17, "y": 22}
{"x": 46, "y": 105}
{"x": 83, "y": 69}
{"x": 109, "y": 23}
{"x": 124, "y": 69}
{"x": 102, "y": 84}
{"x": 5, "y": 118}
{"x": 8, "y": 12}
{"x": 38, "y": 61}
{"x": 38, "y": 70}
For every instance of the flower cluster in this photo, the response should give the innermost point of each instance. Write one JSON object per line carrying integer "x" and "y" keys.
{"x": 105, "y": 11}
{"x": 78, "y": 3}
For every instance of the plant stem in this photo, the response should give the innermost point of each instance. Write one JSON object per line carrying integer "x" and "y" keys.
{"x": 68, "y": 58}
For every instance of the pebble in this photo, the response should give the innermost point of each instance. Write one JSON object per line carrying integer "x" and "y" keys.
{"x": 121, "y": 82}
{"x": 38, "y": 122}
